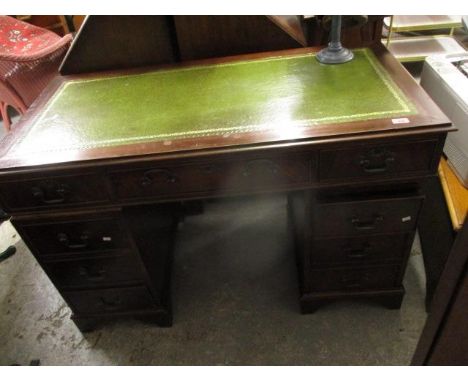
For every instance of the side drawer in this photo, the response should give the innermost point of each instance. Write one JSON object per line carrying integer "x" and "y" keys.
{"x": 90, "y": 273}
{"x": 115, "y": 300}
{"x": 53, "y": 192}
{"x": 74, "y": 234}
{"x": 379, "y": 160}
{"x": 360, "y": 250}
{"x": 344, "y": 279}
{"x": 392, "y": 215}
{"x": 223, "y": 176}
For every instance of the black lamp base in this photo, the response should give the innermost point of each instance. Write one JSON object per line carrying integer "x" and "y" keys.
{"x": 331, "y": 55}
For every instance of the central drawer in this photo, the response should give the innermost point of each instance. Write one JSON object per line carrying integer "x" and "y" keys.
{"x": 221, "y": 176}
{"x": 366, "y": 217}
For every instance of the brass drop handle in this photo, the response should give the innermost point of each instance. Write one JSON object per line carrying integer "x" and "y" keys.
{"x": 382, "y": 156}
{"x": 358, "y": 253}
{"x": 149, "y": 176}
{"x": 83, "y": 242}
{"x": 265, "y": 164}
{"x": 92, "y": 274}
{"x": 369, "y": 224}
{"x": 41, "y": 196}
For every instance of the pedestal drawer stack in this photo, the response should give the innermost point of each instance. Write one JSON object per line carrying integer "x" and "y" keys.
{"x": 353, "y": 247}
{"x": 99, "y": 264}
{"x": 353, "y": 235}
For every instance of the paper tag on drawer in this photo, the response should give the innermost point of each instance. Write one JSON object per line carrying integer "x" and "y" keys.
{"x": 399, "y": 121}
{"x": 106, "y": 238}
{"x": 406, "y": 219}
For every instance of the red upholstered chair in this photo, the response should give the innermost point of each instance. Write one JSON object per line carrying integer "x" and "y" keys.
{"x": 29, "y": 59}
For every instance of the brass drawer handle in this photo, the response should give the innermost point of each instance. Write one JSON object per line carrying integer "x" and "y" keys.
{"x": 376, "y": 161}
{"x": 358, "y": 253}
{"x": 370, "y": 224}
{"x": 64, "y": 239}
{"x": 149, "y": 176}
{"x": 44, "y": 196}
{"x": 264, "y": 164}
{"x": 92, "y": 274}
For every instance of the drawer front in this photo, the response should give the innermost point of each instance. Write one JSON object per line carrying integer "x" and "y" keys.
{"x": 366, "y": 217}
{"x": 88, "y": 273}
{"x": 84, "y": 236}
{"x": 53, "y": 192}
{"x": 220, "y": 176}
{"x": 327, "y": 280}
{"x": 359, "y": 250}
{"x": 115, "y": 300}
{"x": 378, "y": 160}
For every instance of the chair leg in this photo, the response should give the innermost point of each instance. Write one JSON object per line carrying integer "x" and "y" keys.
{"x": 5, "y": 116}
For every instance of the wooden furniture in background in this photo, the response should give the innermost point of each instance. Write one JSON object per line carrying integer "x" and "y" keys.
{"x": 444, "y": 210}
{"x": 444, "y": 340}
{"x": 215, "y": 36}
{"x": 121, "y": 42}
{"x": 417, "y": 48}
{"x": 56, "y": 24}
{"x": 77, "y": 21}
{"x": 29, "y": 59}
{"x": 352, "y": 36}
{"x": 456, "y": 195}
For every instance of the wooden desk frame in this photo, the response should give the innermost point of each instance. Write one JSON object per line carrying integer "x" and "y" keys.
{"x": 386, "y": 164}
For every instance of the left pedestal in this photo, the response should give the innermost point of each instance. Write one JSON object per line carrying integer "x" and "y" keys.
{"x": 107, "y": 265}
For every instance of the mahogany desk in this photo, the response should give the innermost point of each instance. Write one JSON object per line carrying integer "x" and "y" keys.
{"x": 96, "y": 175}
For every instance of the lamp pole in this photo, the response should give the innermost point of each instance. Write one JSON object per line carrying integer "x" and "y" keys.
{"x": 335, "y": 53}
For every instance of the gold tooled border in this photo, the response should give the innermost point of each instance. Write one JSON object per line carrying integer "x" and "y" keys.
{"x": 406, "y": 107}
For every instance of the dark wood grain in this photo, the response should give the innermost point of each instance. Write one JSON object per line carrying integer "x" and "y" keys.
{"x": 444, "y": 340}
{"x": 370, "y": 249}
{"x": 352, "y": 37}
{"x": 217, "y": 36}
{"x": 293, "y": 25}
{"x": 120, "y": 42}
{"x": 436, "y": 234}
{"x": 124, "y": 42}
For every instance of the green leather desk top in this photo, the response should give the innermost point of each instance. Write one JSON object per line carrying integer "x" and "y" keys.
{"x": 244, "y": 96}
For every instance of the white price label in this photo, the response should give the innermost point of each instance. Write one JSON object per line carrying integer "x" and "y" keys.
{"x": 398, "y": 121}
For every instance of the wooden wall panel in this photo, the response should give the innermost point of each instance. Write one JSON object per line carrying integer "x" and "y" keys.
{"x": 121, "y": 42}
{"x": 216, "y": 36}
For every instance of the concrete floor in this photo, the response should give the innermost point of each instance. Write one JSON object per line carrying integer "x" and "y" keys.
{"x": 235, "y": 303}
